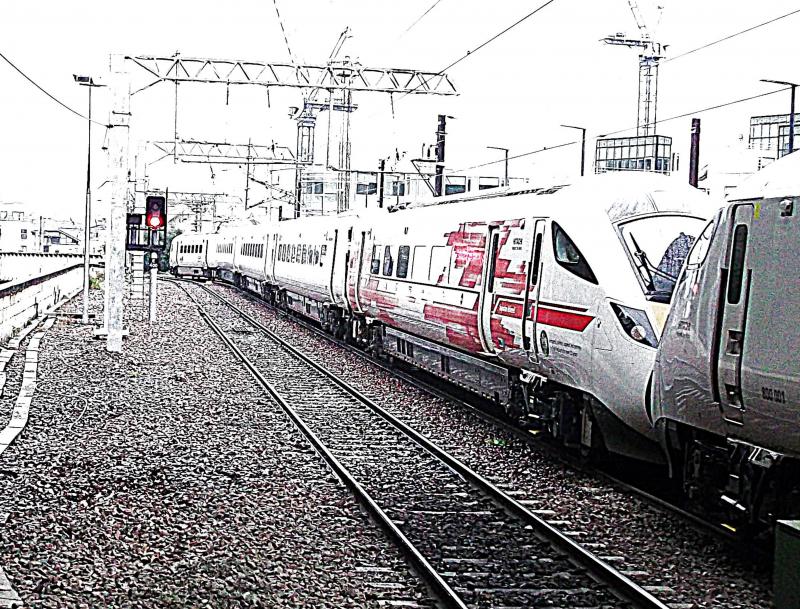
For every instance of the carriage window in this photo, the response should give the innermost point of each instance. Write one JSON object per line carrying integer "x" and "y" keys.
{"x": 737, "y": 264}
{"x": 375, "y": 266}
{"x": 388, "y": 262}
{"x": 439, "y": 270}
{"x": 420, "y": 263}
{"x": 402, "y": 261}
{"x": 569, "y": 256}
{"x": 537, "y": 257}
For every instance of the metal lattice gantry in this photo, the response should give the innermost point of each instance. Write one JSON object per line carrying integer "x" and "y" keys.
{"x": 346, "y": 75}
{"x": 222, "y": 153}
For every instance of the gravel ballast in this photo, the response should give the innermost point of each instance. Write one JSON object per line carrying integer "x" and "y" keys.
{"x": 659, "y": 550}
{"x": 163, "y": 477}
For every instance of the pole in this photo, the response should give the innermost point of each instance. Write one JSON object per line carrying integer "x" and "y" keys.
{"x": 87, "y": 218}
{"x": 694, "y": 153}
{"x": 118, "y": 159}
{"x": 381, "y": 183}
{"x": 440, "y": 149}
{"x": 153, "y": 284}
{"x": 583, "y": 146}
{"x": 791, "y": 123}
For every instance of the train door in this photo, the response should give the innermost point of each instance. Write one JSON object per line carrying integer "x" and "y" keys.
{"x": 733, "y": 317}
{"x": 355, "y": 267}
{"x": 531, "y": 306}
{"x": 331, "y": 286}
{"x": 487, "y": 293}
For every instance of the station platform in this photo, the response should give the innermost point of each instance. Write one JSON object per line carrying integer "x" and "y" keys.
{"x": 162, "y": 477}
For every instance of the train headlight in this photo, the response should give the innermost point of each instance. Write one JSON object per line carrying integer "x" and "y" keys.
{"x": 635, "y": 324}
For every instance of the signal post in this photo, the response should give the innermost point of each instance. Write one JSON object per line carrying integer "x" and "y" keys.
{"x": 147, "y": 233}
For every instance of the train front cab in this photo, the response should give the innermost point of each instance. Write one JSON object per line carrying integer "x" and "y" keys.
{"x": 589, "y": 333}
{"x": 188, "y": 257}
{"x": 727, "y": 377}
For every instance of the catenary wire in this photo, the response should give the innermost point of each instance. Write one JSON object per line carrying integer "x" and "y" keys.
{"x": 745, "y": 31}
{"x": 671, "y": 118}
{"x": 421, "y": 17}
{"x": 50, "y": 95}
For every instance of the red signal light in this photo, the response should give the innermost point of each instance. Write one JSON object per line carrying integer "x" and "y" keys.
{"x": 156, "y": 212}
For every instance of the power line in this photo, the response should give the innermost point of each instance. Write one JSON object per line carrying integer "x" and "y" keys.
{"x": 481, "y": 46}
{"x": 671, "y": 118}
{"x": 750, "y": 29}
{"x": 498, "y": 35}
{"x": 421, "y": 17}
{"x": 50, "y": 95}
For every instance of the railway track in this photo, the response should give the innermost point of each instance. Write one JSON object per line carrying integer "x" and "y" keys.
{"x": 482, "y": 410}
{"x": 473, "y": 544}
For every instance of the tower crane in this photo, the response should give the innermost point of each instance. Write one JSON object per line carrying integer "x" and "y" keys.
{"x": 651, "y": 54}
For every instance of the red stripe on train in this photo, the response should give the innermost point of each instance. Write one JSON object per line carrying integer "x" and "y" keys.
{"x": 563, "y": 319}
{"x": 546, "y": 315}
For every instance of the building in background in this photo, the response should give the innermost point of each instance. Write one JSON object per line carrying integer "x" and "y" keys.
{"x": 770, "y": 134}
{"x": 640, "y": 153}
{"x": 23, "y": 232}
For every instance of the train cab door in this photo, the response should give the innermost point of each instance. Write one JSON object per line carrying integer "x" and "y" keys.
{"x": 531, "y": 304}
{"x": 487, "y": 293}
{"x": 732, "y": 321}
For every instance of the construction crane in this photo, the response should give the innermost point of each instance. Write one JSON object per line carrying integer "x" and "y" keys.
{"x": 649, "y": 58}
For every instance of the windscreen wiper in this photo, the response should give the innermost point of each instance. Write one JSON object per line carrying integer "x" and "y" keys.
{"x": 644, "y": 264}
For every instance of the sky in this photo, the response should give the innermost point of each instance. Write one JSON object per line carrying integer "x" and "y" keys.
{"x": 514, "y": 93}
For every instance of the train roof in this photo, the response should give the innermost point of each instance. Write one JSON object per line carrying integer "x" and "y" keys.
{"x": 778, "y": 179}
{"x": 618, "y": 194}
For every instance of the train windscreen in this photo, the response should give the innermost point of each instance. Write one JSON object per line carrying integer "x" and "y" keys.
{"x": 658, "y": 246}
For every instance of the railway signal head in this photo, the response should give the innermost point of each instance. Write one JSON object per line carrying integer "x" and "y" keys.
{"x": 156, "y": 214}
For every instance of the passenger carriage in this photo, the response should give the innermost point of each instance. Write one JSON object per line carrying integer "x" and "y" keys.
{"x": 187, "y": 256}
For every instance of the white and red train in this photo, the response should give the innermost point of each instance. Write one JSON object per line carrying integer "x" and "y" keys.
{"x": 549, "y": 301}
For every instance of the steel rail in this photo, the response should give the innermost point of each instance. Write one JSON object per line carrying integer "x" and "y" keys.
{"x": 621, "y": 585}
{"x": 441, "y": 589}
{"x": 701, "y": 524}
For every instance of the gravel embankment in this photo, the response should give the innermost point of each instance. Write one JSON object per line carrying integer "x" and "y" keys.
{"x": 164, "y": 478}
{"x": 685, "y": 567}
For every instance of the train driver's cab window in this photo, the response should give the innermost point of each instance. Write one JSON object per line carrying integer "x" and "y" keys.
{"x": 375, "y": 265}
{"x": 403, "y": 255}
{"x": 568, "y": 255}
{"x": 697, "y": 256}
{"x": 388, "y": 261}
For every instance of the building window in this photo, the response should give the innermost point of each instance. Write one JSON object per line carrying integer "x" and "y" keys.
{"x": 366, "y": 189}
{"x": 23, "y": 233}
{"x": 398, "y": 189}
